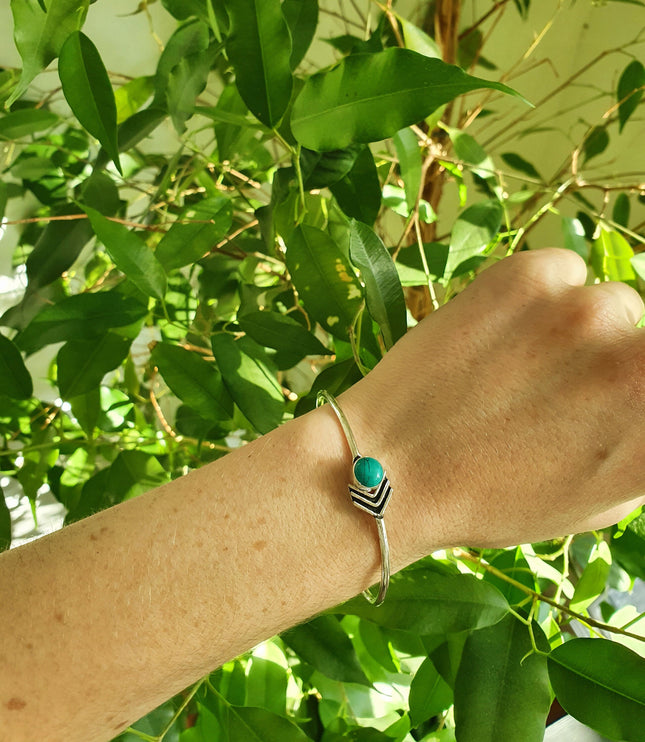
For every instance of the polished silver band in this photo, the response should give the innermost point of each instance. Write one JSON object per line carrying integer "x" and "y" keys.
{"x": 372, "y": 498}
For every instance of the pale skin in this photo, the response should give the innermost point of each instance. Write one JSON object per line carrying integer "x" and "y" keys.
{"x": 513, "y": 414}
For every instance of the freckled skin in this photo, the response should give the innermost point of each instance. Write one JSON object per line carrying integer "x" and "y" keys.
{"x": 527, "y": 439}
{"x": 15, "y": 704}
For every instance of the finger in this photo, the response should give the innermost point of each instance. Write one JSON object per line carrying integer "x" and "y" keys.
{"x": 622, "y": 301}
{"x": 551, "y": 266}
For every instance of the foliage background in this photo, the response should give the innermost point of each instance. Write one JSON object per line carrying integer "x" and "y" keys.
{"x": 189, "y": 278}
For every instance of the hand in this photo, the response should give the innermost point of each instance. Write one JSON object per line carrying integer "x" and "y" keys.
{"x": 516, "y": 412}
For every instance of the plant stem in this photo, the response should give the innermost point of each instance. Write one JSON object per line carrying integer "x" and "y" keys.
{"x": 592, "y": 623}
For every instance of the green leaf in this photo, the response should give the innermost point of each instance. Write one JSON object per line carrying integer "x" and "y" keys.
{"x": 302, "y": 18}
{"x": 630, "y": 91}
{"x": 323, "y": 644}
{"x": 186, "y": 81}
{"x": 266, "y": 685}
{"x": 249, "y": 377}
{"x": 611, "y": 257}
{"x": 513, "y": 564}
{"x": 248, "y": 724}
{"x": 189, "y": 39}
{"x": 5, "y": 523}
{"x": 410, "y": 164}
{"x": 600, "y": 683}
{"x": 39, "y": 34}
{"x": 130, "y": 97}
{"x": 57, "y": 248}
{"x": 324, "y": 278}
{"x": 194, "y": 380}
{"x": 86, "y": 409}
{"x": 628, "y": 550}
{"x": 383, "y": 291}
{"x": 475, "y": 229}
{"x": 131, "y": 474}
{"x": 369, "y": 97}
{"x": 425, "y": 602}
{"x": 595, "y": 143}
{"x": 88, "y": 91}
{"x": 130, "y": 255}
{"x": 259, "y": 48}
{"x": 15, "y": 381}
{"x": 185, "y": 243}
{"x": 320, "y": 169}
{"x": 281, "y": 332}
{"x": 519, "y": 163}
{"x": 621, "y": 210}
{"x": 500, "y": 692}
{"x": 359, "y": 193}
{"x": 82, "y": 364}
{"x": 27, "y": 121}
{"x": 472, "y": 153}
{"x": 429, "y": 694}
{"x": 418, "y": 40}
{"x": 79, "y": 317}
{"x": 593, "y": 579}
{"x": 33, "y": 473}
{"x": 574, "y": 237}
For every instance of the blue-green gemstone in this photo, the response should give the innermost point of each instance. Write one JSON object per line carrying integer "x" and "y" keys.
{"x": 368, "y": 471}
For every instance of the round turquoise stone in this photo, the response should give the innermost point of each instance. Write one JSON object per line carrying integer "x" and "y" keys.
{"x": 368, "y": 471}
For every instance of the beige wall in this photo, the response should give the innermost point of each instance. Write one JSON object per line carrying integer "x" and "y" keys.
{"x": 578, "y": 32}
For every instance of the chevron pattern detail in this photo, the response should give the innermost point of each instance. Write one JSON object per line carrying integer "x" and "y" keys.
{"x": 373, "y": 501}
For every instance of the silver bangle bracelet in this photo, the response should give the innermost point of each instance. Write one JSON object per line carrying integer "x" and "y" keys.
{"x": 370, "y": 491}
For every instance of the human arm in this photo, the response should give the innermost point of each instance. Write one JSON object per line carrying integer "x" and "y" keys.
{"x": 475, "y": 415}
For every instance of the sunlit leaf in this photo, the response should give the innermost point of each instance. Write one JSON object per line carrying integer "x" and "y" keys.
{"x": 368, "y": 97}
{"x": 130, "y": 97}
{"x": 429, "y": 693}
{"x": 194, "y": 380}
{"x": 88, "y": 91}
{"x": 574, "y": 236}
{"x": 611, "y": 257}
{"x": 475, "y": 229}
{"x": 600, "y": 683}
{"x": 325, "y": 279}
{"x": 266, "y": 686}
{"x": 250, "y": 379}
{"x": 418, "y": 40}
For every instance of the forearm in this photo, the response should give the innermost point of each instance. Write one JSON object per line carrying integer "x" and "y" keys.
{"x": 257, "y": 541}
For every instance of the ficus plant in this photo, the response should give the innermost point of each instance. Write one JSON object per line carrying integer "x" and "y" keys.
{"x": 191, "y": 291}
